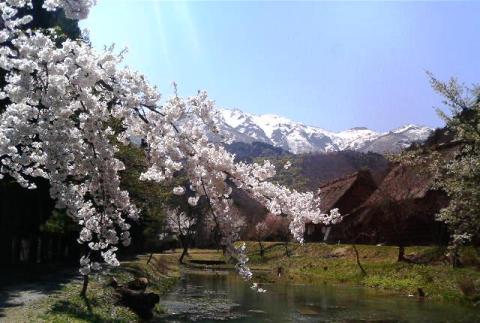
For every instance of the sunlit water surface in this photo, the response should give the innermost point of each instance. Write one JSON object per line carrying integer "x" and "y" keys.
{"x": 223, "y": 296}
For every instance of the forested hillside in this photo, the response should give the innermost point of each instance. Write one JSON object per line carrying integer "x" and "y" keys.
{"x": 308, "y": 172}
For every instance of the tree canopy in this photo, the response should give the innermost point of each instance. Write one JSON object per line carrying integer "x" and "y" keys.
{"x": 60, "y": 97}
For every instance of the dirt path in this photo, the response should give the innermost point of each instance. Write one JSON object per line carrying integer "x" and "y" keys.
{"x": 17, "y": 298}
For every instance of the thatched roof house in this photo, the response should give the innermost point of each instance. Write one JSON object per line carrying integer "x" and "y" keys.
{"x": 401, "y": 210}
{"x": 346, "y": 194}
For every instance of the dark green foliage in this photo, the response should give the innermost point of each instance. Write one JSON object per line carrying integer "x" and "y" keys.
{"x": 152, "y": 198}
{"x": 293, "y": 176}
{"x": 309, "y": 171}
{"x": 59, "y": 223}
{"x": 147, "y": 196}
{"x": 249, "y": 152}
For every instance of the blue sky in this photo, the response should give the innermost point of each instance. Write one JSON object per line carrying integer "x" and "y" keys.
{"x": 328, "y": 64}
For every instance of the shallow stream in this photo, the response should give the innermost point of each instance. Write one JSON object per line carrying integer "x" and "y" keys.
{"x": 223, "y": 296}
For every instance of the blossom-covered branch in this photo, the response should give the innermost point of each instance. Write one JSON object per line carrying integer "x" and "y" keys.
{"x": 59, "y": 100}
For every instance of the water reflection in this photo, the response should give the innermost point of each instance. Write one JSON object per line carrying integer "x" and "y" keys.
{"x": 223, "y": 296}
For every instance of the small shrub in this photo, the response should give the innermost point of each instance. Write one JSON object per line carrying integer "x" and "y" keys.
{"x": 469, "y": 258}
{"x": 428, "y": 278}
{"x": 467, "y": 286}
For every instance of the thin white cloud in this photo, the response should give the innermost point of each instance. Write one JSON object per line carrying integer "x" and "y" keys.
{"x": 161, "y": 32}
{"x": 183, "y": 12}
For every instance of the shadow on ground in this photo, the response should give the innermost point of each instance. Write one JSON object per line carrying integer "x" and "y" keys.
{"x": 22, "y": 285}
{"x": 73, "y": 310}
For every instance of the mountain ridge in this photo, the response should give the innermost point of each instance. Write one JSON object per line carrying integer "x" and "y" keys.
{"x": 298, "y": 138}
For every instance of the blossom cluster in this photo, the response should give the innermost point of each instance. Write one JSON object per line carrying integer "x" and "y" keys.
{"x": 179, "y": 223}
{"x": 74, "y": 9}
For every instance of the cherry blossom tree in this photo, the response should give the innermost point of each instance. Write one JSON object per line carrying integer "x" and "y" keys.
{"x": 459, "y": 177}
{"x": 272, "y": 226}
{"x": 59, "y": 98}
{"x": 182, "y": 225}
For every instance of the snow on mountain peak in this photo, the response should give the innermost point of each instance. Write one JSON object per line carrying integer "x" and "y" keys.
{"x": 233, "y": 118}
{"x": 299, "y": 138}
{"x": 270, "y": 122}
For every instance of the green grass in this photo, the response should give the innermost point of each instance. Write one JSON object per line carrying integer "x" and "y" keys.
{"x": 207, "y": 255}
{"x": 320, "y": 263}
{"x": 66, "y": 305}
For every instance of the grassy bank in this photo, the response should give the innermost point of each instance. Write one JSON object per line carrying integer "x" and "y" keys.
{"x": 316, "y": 263}
{"x": 65, "y": 304}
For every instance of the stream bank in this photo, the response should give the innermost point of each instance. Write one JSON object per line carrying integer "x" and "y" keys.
{"x": 329, "y": 270}
{"x": 317, "y": 264}
{"x": 64, "y": 304}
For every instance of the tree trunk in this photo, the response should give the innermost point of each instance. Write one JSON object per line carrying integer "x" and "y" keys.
{"x": 83, "y": 293}
{"x": 358, "y": 260}
{"x": 33, "y": 249}
{"x": 15, "y": 255}
{"x": 50, "y": 248}
{"x": 287, "y": 253}
{"x": 150, "y": 258}
{"x": 401, "y": 254}
{"x": 262, "y": 250}
{"x": 39, "y": 250}
{"x": 184, "y": 253}
{"x": 25, "y": 250}
{"x": 185, "y": 244}
{"x": 455, "y": 258}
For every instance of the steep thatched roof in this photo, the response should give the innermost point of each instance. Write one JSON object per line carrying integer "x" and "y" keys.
{"x": 347, "y": 192}
{"x": 402, "y": 183}
{"x": 331, "y": 192}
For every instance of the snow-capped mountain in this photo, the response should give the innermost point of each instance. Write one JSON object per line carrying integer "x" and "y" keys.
{"x": 299, "y": 138}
